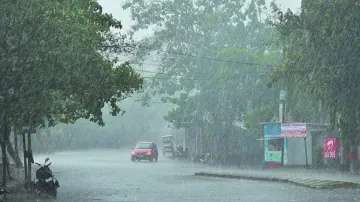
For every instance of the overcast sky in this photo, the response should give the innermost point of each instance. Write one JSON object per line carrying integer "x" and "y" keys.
{"x": 115, "y": 8}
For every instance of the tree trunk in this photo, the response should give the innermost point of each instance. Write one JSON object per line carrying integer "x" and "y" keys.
{"x": 4, "y": 161}
{"x": 16, "y": 144}
{"x": 11, "y": 150}
{"x": 353, "y": 158}
{"x": 344, "y": 151}
{"x": 13, "y": 154}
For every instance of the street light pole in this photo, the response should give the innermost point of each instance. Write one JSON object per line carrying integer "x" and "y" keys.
{"x": 282, "y": 120}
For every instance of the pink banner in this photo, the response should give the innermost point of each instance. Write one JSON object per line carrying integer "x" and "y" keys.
{"x": 331, "y": 146}
{"x": 293, "y": 130}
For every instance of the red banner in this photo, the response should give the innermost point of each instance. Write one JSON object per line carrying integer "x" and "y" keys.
{"x": 293, "y": 130}
{"x": 331, "y": 146}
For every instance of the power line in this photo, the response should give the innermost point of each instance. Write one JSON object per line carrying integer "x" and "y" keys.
{"x": 205, "y": 78}
{"x": 222, "y": 60}
{"x": 202, "y": 77}
{"x": 204, "y": 57}
{"x": 196, "y": 77}
{"x": 150, "y": 64}
{"x": 214, "y": 59}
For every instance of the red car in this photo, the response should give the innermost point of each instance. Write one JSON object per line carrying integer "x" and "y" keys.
{"x": 144, "y": 151}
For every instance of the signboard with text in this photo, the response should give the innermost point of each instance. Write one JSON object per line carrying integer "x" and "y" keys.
{"x": 331, "y": 146}
{"x": 282, "y": 95}
{"x": 293, "y": 130}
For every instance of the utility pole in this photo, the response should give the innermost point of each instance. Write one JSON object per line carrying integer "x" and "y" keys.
{"x": 25, "y": 155}
{"x": 282, "y": 112}
{"x": 306, "y": 156}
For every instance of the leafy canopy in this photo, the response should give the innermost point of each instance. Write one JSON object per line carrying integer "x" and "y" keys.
{"x": 57, "y": 62}
{"x": 197, "y": 40}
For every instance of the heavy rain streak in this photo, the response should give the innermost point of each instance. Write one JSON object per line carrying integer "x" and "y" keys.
{"x": 180, "y": 100}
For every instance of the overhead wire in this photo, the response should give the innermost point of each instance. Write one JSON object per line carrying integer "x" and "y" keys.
{"x": 222, "y": 60}
{"x": 171, "y": 76}
{"x": 202, "y": 57}
{"x": 183, "y": 77}
{"x": 202, "y": 77}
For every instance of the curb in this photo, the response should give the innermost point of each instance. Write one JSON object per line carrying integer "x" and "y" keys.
{"x": 308, "y": 183}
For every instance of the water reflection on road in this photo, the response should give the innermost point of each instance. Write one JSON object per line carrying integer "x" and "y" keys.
{"x": 109, "y": 175}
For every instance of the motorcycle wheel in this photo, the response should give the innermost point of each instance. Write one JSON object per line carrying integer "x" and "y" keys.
{"x": 54, "y": 194}
{"x": 52, "y": 189}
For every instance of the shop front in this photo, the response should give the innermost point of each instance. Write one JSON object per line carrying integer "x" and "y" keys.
{"x": 297, "y": 138}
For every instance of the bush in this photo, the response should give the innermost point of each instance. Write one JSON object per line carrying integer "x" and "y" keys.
{"x": 318, "y": 157}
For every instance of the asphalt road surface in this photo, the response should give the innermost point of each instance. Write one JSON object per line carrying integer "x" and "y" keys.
{"x": 109, "y": 175}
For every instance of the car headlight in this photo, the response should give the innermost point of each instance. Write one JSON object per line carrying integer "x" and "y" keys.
{"x": 148, "y": 153}
{"x": 133, "y": 153}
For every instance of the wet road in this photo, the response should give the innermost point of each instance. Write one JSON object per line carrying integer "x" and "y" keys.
{"x": 109, "y": 175}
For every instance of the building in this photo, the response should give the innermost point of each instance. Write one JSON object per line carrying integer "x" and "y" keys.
{"x": 299, "y": 141}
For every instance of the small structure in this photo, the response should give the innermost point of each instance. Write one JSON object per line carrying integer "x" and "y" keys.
{"x": 168, "y": 145}
{"x": 297, "y": 138}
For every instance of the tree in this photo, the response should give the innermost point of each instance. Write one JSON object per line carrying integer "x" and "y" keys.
{"x": 321, "y": 43}
{"x": 57, "y": 62}
{"x": 65, "y": 68}
{"x": 214, "y": 62}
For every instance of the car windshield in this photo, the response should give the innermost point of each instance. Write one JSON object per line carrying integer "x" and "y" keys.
{"x": 143, "y": 145}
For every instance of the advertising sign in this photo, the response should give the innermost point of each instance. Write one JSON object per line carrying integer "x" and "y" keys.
{"x": 331, "y": 148}
{"x": 293, "y": 130}
{"x": 272, "y": 129}
{"x": 282, "y": 95}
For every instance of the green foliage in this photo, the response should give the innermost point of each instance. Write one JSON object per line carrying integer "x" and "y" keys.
{"x": 56, "y": 62}
{"x": 318, "y": 157}
{"x": 216, "y": 58}
{"x": 260, "y": 114}
{"x": 320, "y": 47}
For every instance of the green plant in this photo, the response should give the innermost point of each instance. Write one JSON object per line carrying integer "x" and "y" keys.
{"x": 318, "y": 157}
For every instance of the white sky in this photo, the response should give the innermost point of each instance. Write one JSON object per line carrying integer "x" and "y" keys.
{"x": 115, "y": 8}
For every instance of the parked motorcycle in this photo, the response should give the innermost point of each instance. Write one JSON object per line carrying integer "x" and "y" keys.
{"x": 45, "y": 181}
{"x": 207, "y": 159}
